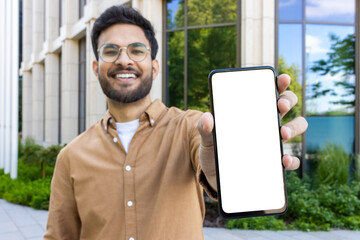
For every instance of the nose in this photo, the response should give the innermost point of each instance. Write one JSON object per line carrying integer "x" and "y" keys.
{"x": 123, "y": 58}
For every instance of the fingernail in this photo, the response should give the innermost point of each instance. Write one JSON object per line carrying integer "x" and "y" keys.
{"x": 285, "y": 101}
{"x": 287, "y": 130}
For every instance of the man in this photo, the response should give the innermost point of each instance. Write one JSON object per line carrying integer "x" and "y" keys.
{"x": 139, "y": 172}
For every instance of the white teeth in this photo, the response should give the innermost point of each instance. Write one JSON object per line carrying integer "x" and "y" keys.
{"x": 125, "y": 75}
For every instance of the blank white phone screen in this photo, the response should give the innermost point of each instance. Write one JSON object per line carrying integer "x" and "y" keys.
{"x": 248, "y": 141}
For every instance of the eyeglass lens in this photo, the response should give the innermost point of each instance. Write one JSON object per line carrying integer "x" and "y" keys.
{"x": 136, "y": 52}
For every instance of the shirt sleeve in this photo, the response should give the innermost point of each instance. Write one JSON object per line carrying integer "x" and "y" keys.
{"x": 195, "y": 158}
{"x": 63, "y": 220}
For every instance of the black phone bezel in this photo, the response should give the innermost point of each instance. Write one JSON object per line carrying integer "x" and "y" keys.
{"x": 250, "y": 213}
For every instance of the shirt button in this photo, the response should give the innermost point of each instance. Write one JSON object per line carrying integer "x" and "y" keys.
{"x": 128, "y": 168}
{"x": 152, "y": 121}
{"x": 131, "y": 238}
{"x": 115, "y": 140}
{"x": 110, "y": 120}
{"x": 130, "y": 203}
{"x": 105, "y": 128}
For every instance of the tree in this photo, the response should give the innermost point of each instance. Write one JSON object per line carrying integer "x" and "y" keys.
{"x": 294, "y": 72}
{"x": 341, "y": 60}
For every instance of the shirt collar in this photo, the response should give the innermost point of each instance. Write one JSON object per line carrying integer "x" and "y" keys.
{"x": 152, "y": 114}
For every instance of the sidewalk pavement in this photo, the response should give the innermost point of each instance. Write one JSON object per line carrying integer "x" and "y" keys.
{"x": 24, "y": 223}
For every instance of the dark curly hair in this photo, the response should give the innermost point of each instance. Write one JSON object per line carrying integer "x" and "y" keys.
{"x": 123, "y": 14}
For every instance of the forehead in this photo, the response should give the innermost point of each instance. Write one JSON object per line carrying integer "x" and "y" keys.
{"x": 122, "y": 35}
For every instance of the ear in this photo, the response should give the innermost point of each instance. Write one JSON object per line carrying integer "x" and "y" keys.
{"x": 96, "y": 67}
{"x": 155, "y": 68}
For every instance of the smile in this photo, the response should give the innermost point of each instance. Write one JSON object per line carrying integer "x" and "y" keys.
{"x": 125, "y": 75}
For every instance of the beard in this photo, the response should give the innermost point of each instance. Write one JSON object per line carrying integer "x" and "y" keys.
{"x": 124, "y": 95}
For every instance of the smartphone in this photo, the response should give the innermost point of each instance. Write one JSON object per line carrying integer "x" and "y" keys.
{"x": 247, "y": 142}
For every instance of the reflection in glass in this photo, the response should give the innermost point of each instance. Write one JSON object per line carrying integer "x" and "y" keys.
{"x": 337, "y": 130}
{"x": 290, "y": 10}
{"x": 175, "y": 13}
{"x": 175, "y": 69}
{"x": 330, "y": 72}
{"x": 202, "y": 12}
{"x": 290, "y": 43}
{"x": 330, "y": 11}
{"x": 209, "y": 49}
{"x": 290, "y": 62}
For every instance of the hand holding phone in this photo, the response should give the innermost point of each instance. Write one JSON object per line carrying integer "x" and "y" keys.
{"x": 247, "y": 142}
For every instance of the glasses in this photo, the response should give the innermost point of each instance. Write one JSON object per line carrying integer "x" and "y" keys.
{"x": 110, "y": 52}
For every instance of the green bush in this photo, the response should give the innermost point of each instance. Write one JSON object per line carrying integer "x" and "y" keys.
{"x": 32, "y": 187}
{"x": 35, "y": 194}
{"x": 311, "y": 208}
{"x": 333, "y": 167}
{"x": 258, "y": 223}
{"x": 36, "y": 155}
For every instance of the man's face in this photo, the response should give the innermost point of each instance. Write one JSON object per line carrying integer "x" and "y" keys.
{"x": 125, "y": 80}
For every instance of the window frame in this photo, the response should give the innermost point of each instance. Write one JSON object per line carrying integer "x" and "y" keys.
{"x": 303, "y": 23}
{"x": 186, "y": 28}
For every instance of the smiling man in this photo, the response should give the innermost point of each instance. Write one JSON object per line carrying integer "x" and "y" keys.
{"x": 140, "y": 171}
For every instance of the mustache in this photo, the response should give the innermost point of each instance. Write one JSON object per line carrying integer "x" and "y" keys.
{"x": 118, "y": 69}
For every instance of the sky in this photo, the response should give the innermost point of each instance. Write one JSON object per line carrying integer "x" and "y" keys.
{"x": 317, "y": 40}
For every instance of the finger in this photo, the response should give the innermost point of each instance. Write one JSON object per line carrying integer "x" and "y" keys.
{"x": 293, "y": 128}
{"x": 290, "y": 162}
{"x": 205, "y": 127}
{"x": 286, "y": 101}
{"x": 283, "y": 82}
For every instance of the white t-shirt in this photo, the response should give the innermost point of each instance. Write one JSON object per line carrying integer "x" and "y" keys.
{"x": 126, "y": 131}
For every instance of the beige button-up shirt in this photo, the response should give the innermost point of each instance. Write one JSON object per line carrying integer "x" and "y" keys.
{"x": 153, "y": 192}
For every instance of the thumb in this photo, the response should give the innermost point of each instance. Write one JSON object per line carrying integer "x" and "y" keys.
{"x": 205, "y": 127}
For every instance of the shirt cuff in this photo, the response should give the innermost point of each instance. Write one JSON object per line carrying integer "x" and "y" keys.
{"x": 207, "y": 187}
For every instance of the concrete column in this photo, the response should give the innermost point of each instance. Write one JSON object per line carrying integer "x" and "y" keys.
{"x": 38, "y": 103}
{"x": 9, "y": 83}
{"x": 8, "y": 61}
{"x": 38, "y": 72}
{"x": 95, "y": 98}
{"x": 27, "y": 30}
{"x": 2, "y": 83}
{"x": 52, "y": 19}
{"x": 51, "y": 99}
{"x": 27, "y": 75}
{"x": 14, "y": 88}
{"x": 69, "y": 90}
{"x": 257, "y": 32}
{"x": 27, "y": 105}
{"x": 38, "y": 26}
{"x": 70, "y": 12}
{"x": 152, "y": 10}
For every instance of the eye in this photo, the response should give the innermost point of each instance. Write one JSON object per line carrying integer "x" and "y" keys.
{"x": 137, "y": 51}
{"x": 110, "y": 52}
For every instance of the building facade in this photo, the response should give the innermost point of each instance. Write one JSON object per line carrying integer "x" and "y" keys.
{"x": 62, "y": 97}
{"x": 9, "y": 85}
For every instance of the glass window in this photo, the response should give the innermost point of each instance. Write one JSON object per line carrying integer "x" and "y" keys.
{"x": 195, "y": 47}
{"x": 60, "y": 15}
{"x": 175, "y": 13}
{"x": 175, "y": 69}
{"x": 82, "y": 4}
{"x": 290, "y": 62}
{"x": 330, "y": 60}
{"x": 82, "y": 84}
{"x": 202, "y": 12}
{"x": 221, "y": 43}
{"x": 328, "y": 36}
{"x": 330, "y": 11}
{"x": 290, "y": 10}
{"x": 290, "y": 44}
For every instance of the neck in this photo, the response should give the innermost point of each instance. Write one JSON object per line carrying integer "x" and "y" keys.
{"x": 126, "y": 112}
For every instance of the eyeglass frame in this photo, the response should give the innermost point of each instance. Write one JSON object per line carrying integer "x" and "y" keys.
{"x": 125, "y": 48}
